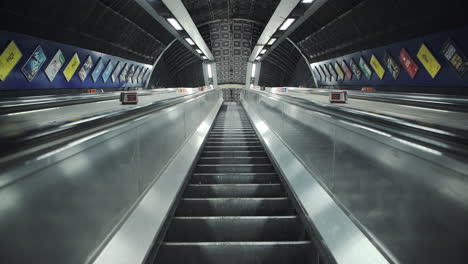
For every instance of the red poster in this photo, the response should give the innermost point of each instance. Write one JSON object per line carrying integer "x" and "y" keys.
{"x": 408, "y": 63}
{"x": 348, "y": 72}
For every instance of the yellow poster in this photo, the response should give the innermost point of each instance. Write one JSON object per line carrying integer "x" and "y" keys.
{"x": 428, "y": 61}
{"x": 71, "y": 67}
{"x": 377, "y": 67}
{"x": 8, "y": 59}
{"x": 339, "y": 71}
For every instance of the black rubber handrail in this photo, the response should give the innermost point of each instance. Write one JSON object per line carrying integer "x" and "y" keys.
{"x": 18, "y": 148}
{"x": 432, "y": 101}
{"x": 448, "y": 139}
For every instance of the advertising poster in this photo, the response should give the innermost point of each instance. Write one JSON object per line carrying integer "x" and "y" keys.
{"x": 365, "y": 68}
{"x": 116, "y": 72}
{"x": 107, "y": 72}
{"x": 392, "y": 65}
{"x": 135, "y": 75}
{"x": 34, "y": 63}
{"x": 375, "y": 63}
{"x": 454, "y": 57}
{"x": 346, "y": 69}
{"x": 332, "y": 71}
{"x": 428, "y": 61}
{"x": 87, "y": 66}
{"x": 123, "y": 74}
{"x": 130, "y": 74}
{"x": 325, "y": 72}
{"x": 339, "y": 71}
{"x": 142, "y": 74}
{"x": 408, "y": 63}
{"x": 71, "y": 67}
{"x": 54, "y": 65}
{"x": 97, "y": 71}
{"x": 355, "y": 69}
{"x": 8, "y": 59}
{"x": 318, "y": 73}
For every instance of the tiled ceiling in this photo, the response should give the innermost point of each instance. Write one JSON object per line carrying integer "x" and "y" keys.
{"x": 231, "y": 30}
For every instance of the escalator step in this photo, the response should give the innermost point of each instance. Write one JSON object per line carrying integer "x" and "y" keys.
{"x": 234, "y": 190}
{"x": 228, "y": 178}
{"x": 233, "y": 154}
{"x": 234, "y": 207}
{"x": 234, "y": 160}
{"x": 283, "y": 252}
{"x": 231, "y": 168}
{"x": 235, "y": 228}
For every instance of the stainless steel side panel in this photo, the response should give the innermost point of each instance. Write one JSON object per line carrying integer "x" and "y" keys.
{"x": 410, "y": 200}
{"x": 67, "y": 202}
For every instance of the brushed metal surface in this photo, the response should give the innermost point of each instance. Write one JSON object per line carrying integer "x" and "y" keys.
{"x": 70, "y": 200}
{"x": 411, "y": 200}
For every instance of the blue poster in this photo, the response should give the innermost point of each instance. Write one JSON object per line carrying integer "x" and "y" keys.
{"x": 123, "y": 74}
{"x": 130, "y": 74}
{"x": 107, "y": 72}
{"x": 34, "y": 63}
{"x": 97, "y": 71}
{"x": 116, "y": 72}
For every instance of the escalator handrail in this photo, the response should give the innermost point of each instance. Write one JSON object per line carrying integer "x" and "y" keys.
{"x": 16, "y": 149}
{"x": 433, "y": 101}
{"x": 448, "y": 139}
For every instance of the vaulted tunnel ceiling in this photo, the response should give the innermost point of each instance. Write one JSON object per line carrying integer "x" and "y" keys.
{"x": 231, "y": 29}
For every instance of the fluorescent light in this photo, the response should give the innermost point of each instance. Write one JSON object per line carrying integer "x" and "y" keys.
{"x": 254, "y": 69}
{"x": 204, "y": 57}
{"x": 263, "y": 51}
{"x": 190, "y": 41}
{"x": 210, "y": 74}
{"x": 174, "y": 23}
{"x": 258, "y": 58}
{"x": 307, "y": 1}
{"x": 199, "y": 51}
{"x": 271, "y": 41}
{"x": 287, "y": 23}
{"x": 211, "y": 86}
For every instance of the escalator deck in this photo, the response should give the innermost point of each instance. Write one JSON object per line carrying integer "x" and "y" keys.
{"x": 235, "y": 209}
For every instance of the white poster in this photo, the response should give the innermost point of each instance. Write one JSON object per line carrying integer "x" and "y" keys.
{"x": 54, "y": 66}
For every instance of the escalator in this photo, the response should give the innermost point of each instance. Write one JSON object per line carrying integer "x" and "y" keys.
{"x": 235, "y": 208}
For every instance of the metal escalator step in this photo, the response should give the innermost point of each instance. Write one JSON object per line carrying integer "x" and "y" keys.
{"x": 233, "y": 154}
{"x": 221, "y": 136}
{"x": 233, "y": 148}
{"x": 234, "y": 160}
{"x": 279, "y": 252}
{"x": 235, "y": 228}
{"x": 230, "y": 168}
{"x": 229, "y": 143}
{"x": 236, "y": 139}
{"x": 234, "y": 207}
{"x": 234, "y": 190}
{"x": 233, "y": 178}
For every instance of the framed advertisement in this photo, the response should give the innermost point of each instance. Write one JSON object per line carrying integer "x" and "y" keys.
{"x": 408, "y": 63}
{"x": 71, "y": 67}
{"x": 123, "y": 73}
{"x": 332, "y": 71}
{"x": 107, "y": 71}
{"x": 34, "y": 63}
{"x": 8, "y": 59}
{"x": 429, "y": 62}
{"x": 116, "y": 72}
{"x": 135, "y": 75}
{"x": 339, "y": 71}
{"x": 130, "y": 73}
{"x": 87, "y": 66}
{"x": 355, "y": 68}
{"x": 54, "y": 65}
{"x": 318, "y": 73}
{"x": 454, "y": 57}
{"x": 346, "y": 69}
{"x": 142, "y": 74}
{"x": 325, "y": 72}
{"x": 97, "y": 71}
{"x": 392, "y": 65}
{"x": 365, "y": 68}
{"x": 375, "y": 63}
